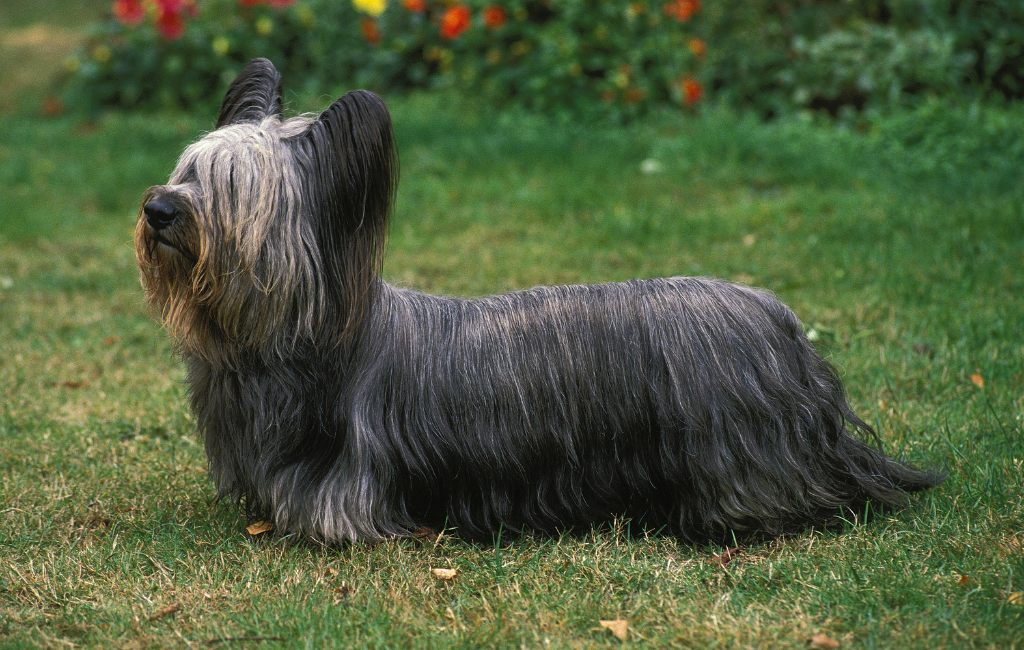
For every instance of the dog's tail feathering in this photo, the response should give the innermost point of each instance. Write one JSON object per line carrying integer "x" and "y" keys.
{"x": 771, "y": 441}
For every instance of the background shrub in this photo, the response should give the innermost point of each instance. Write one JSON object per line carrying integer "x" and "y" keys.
{"x": 849, "y": 56}
{"x": 579, "y": 58}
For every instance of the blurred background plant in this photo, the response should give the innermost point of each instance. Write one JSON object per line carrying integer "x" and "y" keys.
{"x": 847, "y": 57}
{"x": 613, "y": 58}
{"x": 844, "y": 58}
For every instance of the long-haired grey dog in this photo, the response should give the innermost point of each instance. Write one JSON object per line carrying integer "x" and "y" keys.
{"x": 343, "y": 408}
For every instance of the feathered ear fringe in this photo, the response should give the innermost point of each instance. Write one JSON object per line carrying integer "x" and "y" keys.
{"x": 351, "y": 172}
{"x": 253, "y": 96}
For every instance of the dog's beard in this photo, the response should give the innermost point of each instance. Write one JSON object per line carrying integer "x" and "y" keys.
{"x": 168, "y": 260}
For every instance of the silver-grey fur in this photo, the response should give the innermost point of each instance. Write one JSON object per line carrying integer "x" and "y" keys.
{"x": 347, "y": 409}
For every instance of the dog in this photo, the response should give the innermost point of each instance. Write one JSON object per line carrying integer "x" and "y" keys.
{"x": 346, "y": 409}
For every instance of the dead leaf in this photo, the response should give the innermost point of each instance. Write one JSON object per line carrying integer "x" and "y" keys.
{"x": 1015, "y": 598}
{"x": 259, "y": 528}
{"x": 166, "y": 611}
{"x": 74, "y": 384}
{"x": 822, "y": 641}
{"x": 444, "y": 574}
{"x": 618, "y": 627}
{"x": 965, "y": 580}
{"x": 344, "y": 591}
{"x": 978, "y": 380}
{"x": 727, "y": 556}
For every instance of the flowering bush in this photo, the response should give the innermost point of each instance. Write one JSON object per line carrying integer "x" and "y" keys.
{"x": 180, "y": 53}
{"x": 576, "y": 56}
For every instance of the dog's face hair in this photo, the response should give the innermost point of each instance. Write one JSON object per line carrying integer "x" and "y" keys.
{"x": 347, "y": 409}
{"x": 269, "y": 234}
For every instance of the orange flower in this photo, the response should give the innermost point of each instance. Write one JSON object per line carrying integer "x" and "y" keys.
{"x": 495, "y": 17}
{"x": 455, "y": 21}
{"x": 698, "y": 47}
{"x": 692, "y": 91}
{"x": 417, "y": 6}
{"x": 129, "y": 12}
{"x": 635, "y": 95}
{"x": 370, "y": 32}
{"x": 681, "y": 10}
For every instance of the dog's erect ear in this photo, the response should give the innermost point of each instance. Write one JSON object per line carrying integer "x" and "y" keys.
{"x": 253, "y": 96}
{"x": 355, "y": 145}
{"x": 351, "y": 168}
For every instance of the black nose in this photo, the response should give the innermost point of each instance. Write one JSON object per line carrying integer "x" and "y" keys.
{"x": 160, "y": 213}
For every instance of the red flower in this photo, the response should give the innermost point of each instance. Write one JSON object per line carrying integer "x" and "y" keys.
{"x": 129, "y": 12}
{"x": 495, "y": 17}
{"x": 170, "y": 24}
{"x": 417, "y": 6}
{"x": 170, "y": 20}
{"x": 370, "y": 31}
{"x": 455, "y": 21}
{"x": 681, "y": 10}
{"x": 692, "y": 91}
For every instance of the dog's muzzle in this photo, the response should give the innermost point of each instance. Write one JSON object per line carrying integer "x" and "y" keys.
{"x": 160, "y": 214}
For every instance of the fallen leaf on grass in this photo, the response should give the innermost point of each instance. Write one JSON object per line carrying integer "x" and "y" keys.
{"x": 978, "y": 380}
{"x": 822, "y": 641}
{"x": 344, "y": 591}
{"x": 166, "y": 611}
{"x": 617, "y": 627}
{"x": 727, "y": 556}
{"x": 965, "y": 580}
{"x": 259, "y": 527}
{"x": 444, "y": 574}
{"x": 1015, "y": 598}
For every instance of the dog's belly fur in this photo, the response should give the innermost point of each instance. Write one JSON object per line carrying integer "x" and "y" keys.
{"x": 690, "y": 405}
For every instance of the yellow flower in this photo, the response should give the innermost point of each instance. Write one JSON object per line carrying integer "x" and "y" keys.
{"x": 372, "y": 7}
{"x": 306, "y": 16}
{"x": 264, "y": 26}
{"x": 101, "y": 53}
{"x": 221, "y": 45}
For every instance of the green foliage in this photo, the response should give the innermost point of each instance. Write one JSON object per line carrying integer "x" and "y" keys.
{"x": 581, "y": 56}
{"x": 848, "y": 57}
{"x": 138, "y": 67}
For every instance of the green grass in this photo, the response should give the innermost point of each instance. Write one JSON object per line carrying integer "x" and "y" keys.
{"x": 902, "y": 248}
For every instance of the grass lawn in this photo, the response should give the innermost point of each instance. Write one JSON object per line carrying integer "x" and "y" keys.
{"x": 902, "y": 249}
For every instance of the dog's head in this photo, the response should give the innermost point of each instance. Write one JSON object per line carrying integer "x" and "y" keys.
{"x": 268, "y": 236}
